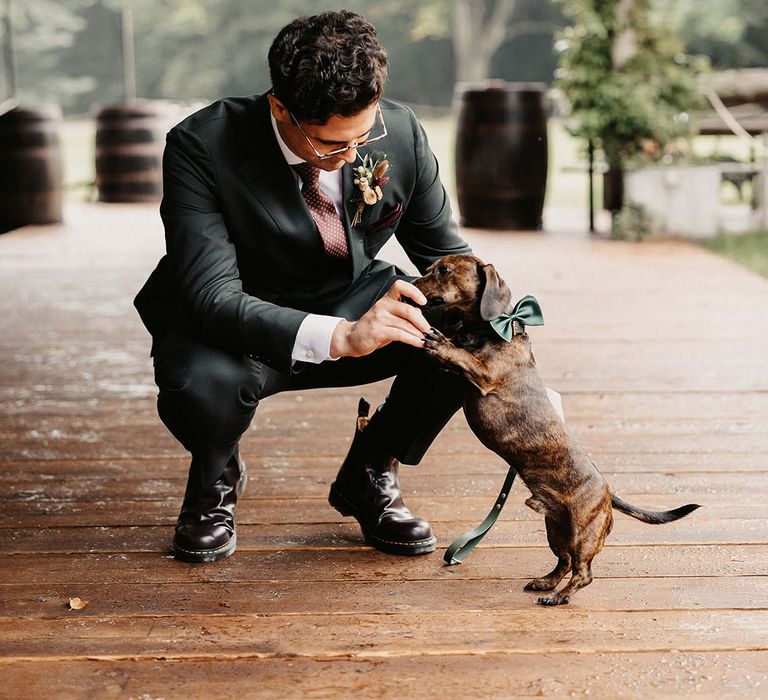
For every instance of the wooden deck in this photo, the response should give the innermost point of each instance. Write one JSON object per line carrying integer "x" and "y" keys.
{"x": 660, "y": 353}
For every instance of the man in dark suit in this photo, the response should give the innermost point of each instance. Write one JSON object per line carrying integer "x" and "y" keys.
{"x": 267, "y": 285}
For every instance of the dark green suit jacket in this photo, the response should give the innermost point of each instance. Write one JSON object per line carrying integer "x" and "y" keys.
{"x": 244, "y": 260}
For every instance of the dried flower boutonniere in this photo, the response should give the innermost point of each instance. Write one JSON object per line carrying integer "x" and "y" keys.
{"x": 370, "y": 178}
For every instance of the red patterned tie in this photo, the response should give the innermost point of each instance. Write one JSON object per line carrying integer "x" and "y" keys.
{"x": 323, "y": 212}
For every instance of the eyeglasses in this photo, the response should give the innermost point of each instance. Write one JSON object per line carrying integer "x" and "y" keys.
{"x": 339, "y": 151}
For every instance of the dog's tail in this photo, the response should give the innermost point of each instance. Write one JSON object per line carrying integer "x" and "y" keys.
{"x": 654, "y": 517}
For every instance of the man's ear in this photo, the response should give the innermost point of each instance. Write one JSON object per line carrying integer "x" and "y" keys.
{"x": 278, "y": 109}
{"x": 496, "y": 295}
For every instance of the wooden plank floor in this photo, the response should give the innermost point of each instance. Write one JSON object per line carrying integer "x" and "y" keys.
{"x": 659, "y": 350}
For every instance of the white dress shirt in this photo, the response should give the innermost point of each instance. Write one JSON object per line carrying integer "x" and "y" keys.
{"x": 313, "y": 341}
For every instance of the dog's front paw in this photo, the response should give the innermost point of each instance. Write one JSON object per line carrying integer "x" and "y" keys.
{"x": 438, "y": 347}
{"x": 434, "y": 341}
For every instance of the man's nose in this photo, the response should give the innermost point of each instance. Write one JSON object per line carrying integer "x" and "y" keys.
{"x": 350, "y": 156}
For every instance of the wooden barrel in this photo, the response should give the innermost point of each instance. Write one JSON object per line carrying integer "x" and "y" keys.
{"x": 501, "y": 155}
{"x": 129, "y": 152}
{"x": 30, "y": 167}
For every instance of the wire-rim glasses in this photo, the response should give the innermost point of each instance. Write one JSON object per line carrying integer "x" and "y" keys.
{"x": 339, "y": 151}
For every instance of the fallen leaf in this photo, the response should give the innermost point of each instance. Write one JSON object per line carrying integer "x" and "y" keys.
{"x": 77, "y": 604}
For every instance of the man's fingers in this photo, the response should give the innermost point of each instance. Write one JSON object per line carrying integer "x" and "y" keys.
{"x": 406, "y": 289}
{"x": 381, "y": 326}
{"x": 405, "y": 324}
{"x": 407, "y": 338}
{"x": 412, "y": 314}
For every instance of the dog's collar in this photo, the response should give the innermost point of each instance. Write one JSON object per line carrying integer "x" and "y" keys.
{"x": 527, "y": 312}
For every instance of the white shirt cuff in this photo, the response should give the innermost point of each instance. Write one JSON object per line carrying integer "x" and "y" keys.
{"x": 313, "y": 341}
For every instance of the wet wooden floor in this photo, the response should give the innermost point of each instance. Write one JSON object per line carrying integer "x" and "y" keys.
{"x": 660, "y": 351}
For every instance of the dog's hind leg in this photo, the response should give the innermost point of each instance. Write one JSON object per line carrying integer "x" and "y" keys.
{"x": 586, "y": 548}
{"x": 558, "y": 545}
{"x": 581, "y": 576}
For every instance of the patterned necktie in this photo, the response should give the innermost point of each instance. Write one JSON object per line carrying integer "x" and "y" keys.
{"x": 323, "y": 212}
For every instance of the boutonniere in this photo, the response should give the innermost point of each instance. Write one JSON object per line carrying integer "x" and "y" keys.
{"x": 370, "y": 177}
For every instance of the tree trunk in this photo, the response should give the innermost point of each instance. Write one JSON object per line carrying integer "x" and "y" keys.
{"x": 9, "y": 55}
{"x": 127, "y": 45}
{"x": 624, "y": 48}
{"x": 479, "y": 29}
{"x": 625, "y": 41}
{"x": 613, "y": 189}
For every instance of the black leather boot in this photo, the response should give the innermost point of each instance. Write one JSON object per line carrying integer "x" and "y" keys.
{"x": 368, "y": 489}
{"x": 205, "y": 530}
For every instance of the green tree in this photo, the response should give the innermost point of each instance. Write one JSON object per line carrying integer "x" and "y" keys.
{"x": 628, "y": 85}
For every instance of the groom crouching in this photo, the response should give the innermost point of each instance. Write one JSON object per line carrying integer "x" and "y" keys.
{"x": 274, "y": 208}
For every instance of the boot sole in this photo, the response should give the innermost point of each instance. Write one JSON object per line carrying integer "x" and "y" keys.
{"x": 343, "y": 506}
{"x": 205, "y": 556}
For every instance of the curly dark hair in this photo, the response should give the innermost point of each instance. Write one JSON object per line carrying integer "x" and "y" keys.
{"x": 327, "y": 64}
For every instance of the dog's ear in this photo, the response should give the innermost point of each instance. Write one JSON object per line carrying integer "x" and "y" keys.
{"x": 496, "y": 294}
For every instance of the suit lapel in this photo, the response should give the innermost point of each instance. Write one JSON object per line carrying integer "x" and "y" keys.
{"x": 270, "y": 178}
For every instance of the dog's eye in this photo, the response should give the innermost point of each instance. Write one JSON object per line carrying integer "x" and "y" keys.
{"x": 443, "y": 270}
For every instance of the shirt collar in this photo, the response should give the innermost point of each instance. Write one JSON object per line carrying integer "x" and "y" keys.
{"x": 290, "y": 157}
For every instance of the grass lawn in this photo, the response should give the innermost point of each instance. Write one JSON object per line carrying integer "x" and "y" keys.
{"x": 748, "y": 249}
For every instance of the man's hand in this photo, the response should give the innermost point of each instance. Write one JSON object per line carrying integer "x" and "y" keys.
{"x": 389, "y": 319}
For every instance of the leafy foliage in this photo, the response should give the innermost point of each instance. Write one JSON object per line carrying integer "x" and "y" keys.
{"x": 631, "y": 223}
{"x": 68, "y": 51}
{"x": 45, "y": 29}
{"x": 629, "y": 86}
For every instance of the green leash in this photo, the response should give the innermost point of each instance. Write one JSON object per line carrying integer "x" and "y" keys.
{"x": 527, "y": 312}
{"x": 463, "y": 545}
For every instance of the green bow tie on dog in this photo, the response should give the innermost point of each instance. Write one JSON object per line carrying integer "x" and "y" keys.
{"x": 527, "y": 312}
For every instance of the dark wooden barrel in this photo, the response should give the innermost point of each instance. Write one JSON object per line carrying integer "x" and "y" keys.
{"x": 501, "y": 155}
{"x": 30, "y": 167}
{"x": 129, "y": 152}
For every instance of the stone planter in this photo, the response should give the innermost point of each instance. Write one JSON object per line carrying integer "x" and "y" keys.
{"x": 681, "y": 201}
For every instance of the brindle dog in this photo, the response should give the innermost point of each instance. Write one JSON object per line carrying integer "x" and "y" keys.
{"x": 507, "y": 407}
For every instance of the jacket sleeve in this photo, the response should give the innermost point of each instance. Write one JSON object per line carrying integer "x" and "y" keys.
{"x": 428, "y": 230}
{"x": 203, "y": 260}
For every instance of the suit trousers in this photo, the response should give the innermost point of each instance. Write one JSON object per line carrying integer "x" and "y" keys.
{"x": 208, "y": 396}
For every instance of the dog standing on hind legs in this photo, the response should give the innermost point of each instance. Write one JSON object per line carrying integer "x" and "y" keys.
{"x": 507, "y": 407}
